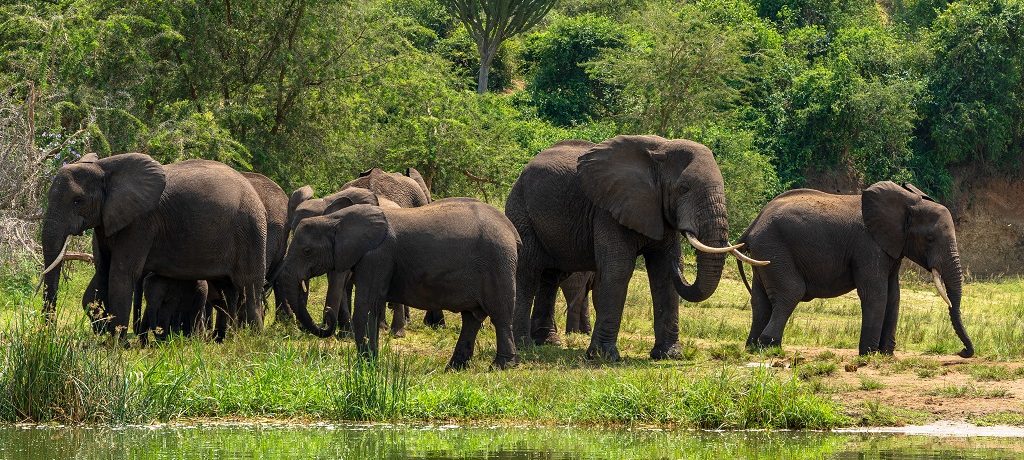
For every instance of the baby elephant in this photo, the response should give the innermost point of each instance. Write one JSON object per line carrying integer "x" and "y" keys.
{"x": 823, "y": 245}
{"x": 457, "y": 254}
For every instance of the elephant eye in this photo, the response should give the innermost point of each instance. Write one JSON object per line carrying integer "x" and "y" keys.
{"x": 307, "y": 250}
{"x": 77, "y": 201}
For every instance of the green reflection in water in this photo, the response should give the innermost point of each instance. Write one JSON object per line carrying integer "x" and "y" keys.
{"x": 467, "y": 443}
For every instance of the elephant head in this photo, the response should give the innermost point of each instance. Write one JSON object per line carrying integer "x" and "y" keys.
{"x": 105, "y": 194}
{"x": 415, "y": 175}
{"x": 336, "y": 241}
{"x": 303, "y": 206}
{"x": 907, "y": 223}
{"x": 650, "y": 184}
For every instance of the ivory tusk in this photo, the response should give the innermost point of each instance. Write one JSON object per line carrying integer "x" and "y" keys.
{"x": 708, "y": 249}
{"x": 937, "y": 278}
{"x": 305, "y": 287}
{"x": 82, "y": 256}
{"x": 754, "y": 262}
{"x": 57, "y": 260}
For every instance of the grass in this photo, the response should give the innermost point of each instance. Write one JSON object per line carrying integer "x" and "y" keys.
{"x": 64, "y": 373}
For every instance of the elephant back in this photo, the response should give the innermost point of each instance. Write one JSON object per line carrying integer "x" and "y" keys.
{"x": 403, "y": 190}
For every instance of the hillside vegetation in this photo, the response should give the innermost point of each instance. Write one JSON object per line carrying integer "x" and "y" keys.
{"x": 313, "y": 92}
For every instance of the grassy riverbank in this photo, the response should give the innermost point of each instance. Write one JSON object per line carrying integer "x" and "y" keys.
{"x": 65, "y": 374}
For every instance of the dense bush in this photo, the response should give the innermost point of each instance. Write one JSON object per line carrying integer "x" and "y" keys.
{"x": 312, "y": 92}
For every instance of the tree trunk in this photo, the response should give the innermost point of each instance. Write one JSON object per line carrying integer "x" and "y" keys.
{"x": 486, "y": 57}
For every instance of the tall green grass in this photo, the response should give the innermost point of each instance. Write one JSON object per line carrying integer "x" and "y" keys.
{"x": 371, "y": 389}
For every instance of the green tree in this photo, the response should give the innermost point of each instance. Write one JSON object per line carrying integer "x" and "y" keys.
{"x": 976, "y": 82}
{"x": 556, "y": 59}
{"x": 685, "y": 71}
{"x": 491, "y": 22}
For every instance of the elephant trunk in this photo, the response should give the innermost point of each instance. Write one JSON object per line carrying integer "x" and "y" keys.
{"x": 297, "y": 297}
{"x": 713, "y": 230}
{"x": 55, "y": 239}
{"x": 948, "y": 277}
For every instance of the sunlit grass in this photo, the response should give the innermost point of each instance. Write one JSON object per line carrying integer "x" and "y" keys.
{"x": 286, "y": 373}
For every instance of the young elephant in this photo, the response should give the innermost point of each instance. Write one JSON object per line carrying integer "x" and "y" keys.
{"x": 823, "y": 245}
{"x": 339, "y": 284}
{"x": 172, "y": 307}
{"x": 457, "y": 254}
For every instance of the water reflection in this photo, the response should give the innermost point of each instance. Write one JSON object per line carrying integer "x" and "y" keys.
{"x": 479, "y": 443}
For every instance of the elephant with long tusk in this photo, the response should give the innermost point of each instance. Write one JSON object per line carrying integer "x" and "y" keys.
{"x": 823, "y": 245}
{"x": 580, "y": 206}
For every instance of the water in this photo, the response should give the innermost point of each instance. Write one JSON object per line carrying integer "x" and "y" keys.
{"x": 479, "y": 443}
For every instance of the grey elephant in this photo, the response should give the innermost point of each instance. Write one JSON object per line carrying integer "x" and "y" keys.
{"x": 172, "y": 307}
{"x": 580, "y": 206}
{"x": 406, "y": 255}
{"x": 276, "y": 204}
{"x": 197, "y": 219}
{"x": 408, "y": 190}
{"x": 339, "y": 284}
{"x": 576, "y": 288}
{"x": 823, "y": 245}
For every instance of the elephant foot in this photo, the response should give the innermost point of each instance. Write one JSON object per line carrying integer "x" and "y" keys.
{"x": 673, "y": 351}
{"x": 765, "y": 341}
{"x": 577, "y": 330}
{"x": 398, "y": 332}
{"x": 608, "y": 352}
{"x": 547, "y": 338}
{"x": 457, "y": 363}
{"x": 504, "y": 362}
{"x": 434, "y": 319}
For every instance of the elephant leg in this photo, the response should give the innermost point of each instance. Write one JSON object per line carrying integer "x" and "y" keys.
{"x": 661, "y": 271}
{"x": 339, "y": 300}
{"x": 369, "y": 308}
{"x": 761, "y": 311}
{"x": 526, "y": 287}
{"x": 887, "y": 342}
{"x": 125, "y": 278}
{"x": 467, "y": 340}
{"x": 543, "y": 330}
{"x": 282, "y": 313}
{"x": 610, "y": 285}
{"x": 577, "y": 316}
{"x": 252, "y": 316}
{"x": 873, "y": 290}
{"x": 434, "y": 319}
{"x": 399, "y": 316}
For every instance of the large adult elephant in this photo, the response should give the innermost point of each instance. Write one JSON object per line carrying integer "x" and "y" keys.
{"x": 581, "y": 206}
{"x": 408, "y": 190}
{"x": 197, "y": 219}
{"x": 823, "y": 245}
{"x": 339, "y": 284}
{"x": 276, "y": 204}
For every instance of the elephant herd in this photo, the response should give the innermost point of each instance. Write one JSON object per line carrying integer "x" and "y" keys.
{"x": 198, "y": 240}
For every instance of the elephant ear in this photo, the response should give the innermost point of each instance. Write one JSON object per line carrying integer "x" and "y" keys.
{"x": 349, "y": 197}
{"x": 359, "y": 229}
{"x": 917, "y": 191}
{"x": 368, "y": 172}
{"x": 299, "y": 196}
{"x": 885, "y": 207}
{"x": 134, "y": 183}
{"x": 618, "y": 175}
{"x": 415, "y": 175}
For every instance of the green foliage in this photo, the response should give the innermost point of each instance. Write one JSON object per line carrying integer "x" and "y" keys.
{"x": 372, "y": 389}
{"x": 562, "y": 90}
{"x": 975, "y": 112}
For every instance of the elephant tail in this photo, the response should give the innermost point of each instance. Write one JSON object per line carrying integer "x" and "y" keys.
{"x": 743, "y": 276}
